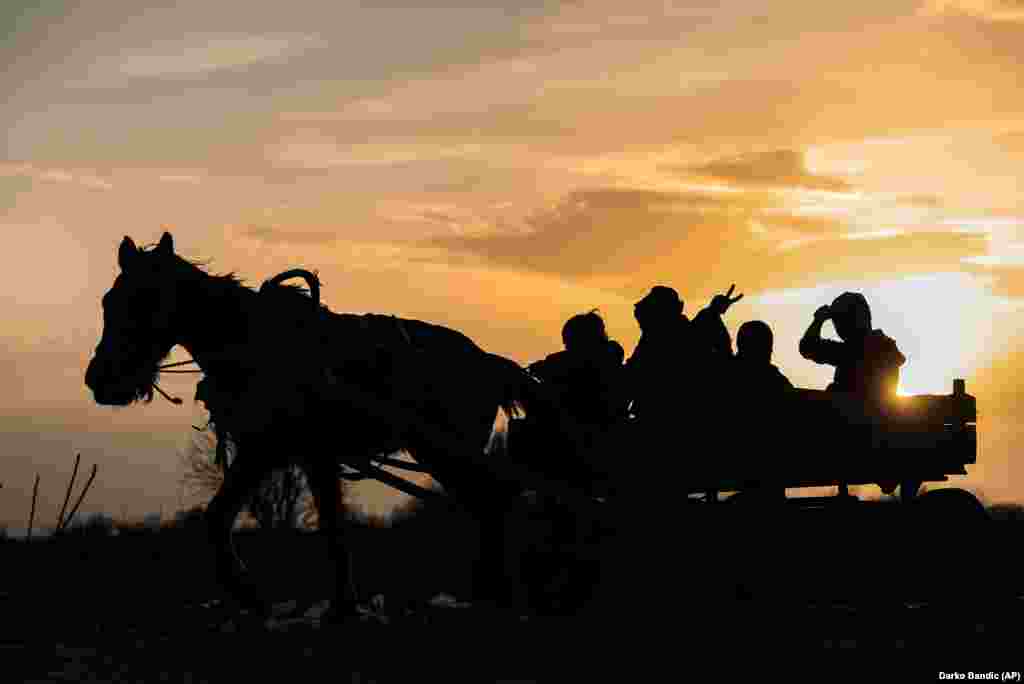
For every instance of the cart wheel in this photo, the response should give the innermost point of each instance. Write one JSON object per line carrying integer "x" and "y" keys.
{"x": 950, "y": 505}
{"x": 954, "y": 580}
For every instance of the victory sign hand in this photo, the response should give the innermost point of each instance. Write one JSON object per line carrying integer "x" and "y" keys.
{"x": 721, "y": 303}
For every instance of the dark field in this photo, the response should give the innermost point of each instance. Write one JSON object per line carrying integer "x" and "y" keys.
{"x": 142, "y": 606}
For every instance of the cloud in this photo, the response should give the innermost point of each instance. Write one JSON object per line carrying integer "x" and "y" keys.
{"x": 196, "y": 57}
{"x": 11, "y": 189}
{"x": 319, "y": 152}
{"x": 922, "y": 200}
{"x": 990, "y": 10}
{"x": 56, "y": 175}
{"x": 608, "y": 231}
{"x": 612, "y": 21}
{"x": 884, "y": 256}
{"x": 776, "y": 169}
{"x": 627, "y": 239}
{"x": 1012, "y": 142}
{"x": 1006, "y": 275}
{"x": 783, "y": 222}
{"x": 181, "y": 178}
{"x": 997, "y": 385}
{"x": 273, "y": 235}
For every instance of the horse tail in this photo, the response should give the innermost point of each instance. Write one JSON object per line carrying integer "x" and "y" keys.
{"x": 557, "y": 444}
{"x": 520, "y": 391}
{"x": 524, "y": 396}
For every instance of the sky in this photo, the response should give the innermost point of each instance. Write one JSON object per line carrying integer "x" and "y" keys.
{"x": 499, "y": 168}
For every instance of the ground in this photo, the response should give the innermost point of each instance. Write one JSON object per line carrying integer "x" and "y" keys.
{"x": 146, "y": 609}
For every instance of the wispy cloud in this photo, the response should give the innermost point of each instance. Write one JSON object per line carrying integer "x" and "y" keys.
{"x": 1005, "y": 274}
{"x": 632, "y": 237}
{"x": 991, "y": 10}
{"x": 1012, "y": 142}
{"x": 56, "y": 175}
{"x": 777, "y": 168}
{"x": 202, "y": 55}
{"x": 188, "y": 179}
{"x": 276, "y": 235}
{"x": 450, "y": 219}
{"x": 318, "y": 152}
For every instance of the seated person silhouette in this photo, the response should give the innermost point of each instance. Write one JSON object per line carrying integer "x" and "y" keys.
{"x": 586, "y": 375}
{"x": 758, "y": 384}
{"x": 867, "y": 361}
{"x": 675, "y": 356}
{"x": 586, "y": 401}
{"x": 753, "y": 370}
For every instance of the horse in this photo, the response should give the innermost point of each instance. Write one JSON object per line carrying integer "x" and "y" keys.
{"x": 284, "y": 376}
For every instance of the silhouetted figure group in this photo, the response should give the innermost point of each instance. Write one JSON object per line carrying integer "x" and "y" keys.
{"x": 684, "y": 368}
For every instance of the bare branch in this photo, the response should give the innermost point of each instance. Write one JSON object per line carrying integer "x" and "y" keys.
{"x": 32, "y": 514}
{"x": 71, "y": 484}
{"x": 78, "y": 503}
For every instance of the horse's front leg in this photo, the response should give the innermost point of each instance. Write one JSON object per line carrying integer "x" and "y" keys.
{"x": 242, "y": 478}
{"x": 324, "y": 483}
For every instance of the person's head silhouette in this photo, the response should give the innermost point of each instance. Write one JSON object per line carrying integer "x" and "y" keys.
{"x": 584, "y": 331}
{"x": 851, "y": 316}
{"x": 755, "y": 342}
{"x": 660, "y": 306}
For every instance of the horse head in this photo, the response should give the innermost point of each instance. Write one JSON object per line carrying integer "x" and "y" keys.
{"x": 139, "y": 317}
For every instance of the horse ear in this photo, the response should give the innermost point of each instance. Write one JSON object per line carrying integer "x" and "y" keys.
{"x": 166, "y": 245}
{"x": 126, "y": 253}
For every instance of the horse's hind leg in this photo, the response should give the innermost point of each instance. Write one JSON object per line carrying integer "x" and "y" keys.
{"x": 242, "y": 478}
{"x": 324, "y": 483}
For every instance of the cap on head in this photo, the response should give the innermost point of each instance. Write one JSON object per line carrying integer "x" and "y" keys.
{"x": 755, "y": 341}
{"x": 660, "y": 301}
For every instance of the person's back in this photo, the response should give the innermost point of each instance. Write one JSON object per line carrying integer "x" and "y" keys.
{"x": 754, "y": 374}
{"x": 759, "y": 389}
{"x": 657, "y": 367}
{"x": 867, "y": 361}
{"x": 678, "y": 361}
{"x": 586, "y": 375}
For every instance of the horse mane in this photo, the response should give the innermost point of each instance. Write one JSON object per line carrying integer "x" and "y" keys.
{"x": 231, "y": 280}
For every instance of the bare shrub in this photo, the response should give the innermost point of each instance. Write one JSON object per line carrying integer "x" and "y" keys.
{"x": 282, "y": 502}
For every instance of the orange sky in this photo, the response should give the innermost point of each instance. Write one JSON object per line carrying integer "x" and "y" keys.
{"x": 498, "y": 169}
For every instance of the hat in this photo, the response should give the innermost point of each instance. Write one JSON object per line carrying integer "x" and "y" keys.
{"x": 661, "y": 297}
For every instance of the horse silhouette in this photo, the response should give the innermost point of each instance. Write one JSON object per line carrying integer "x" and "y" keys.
{"x": 289, "y": 381}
